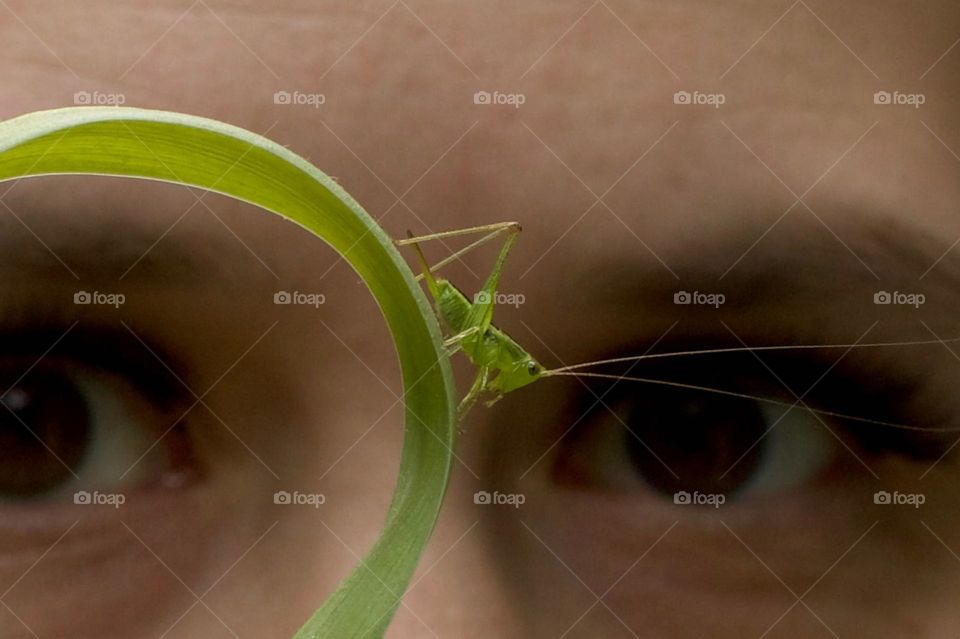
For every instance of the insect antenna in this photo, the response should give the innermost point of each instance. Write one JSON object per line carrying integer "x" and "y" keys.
{"x": 798, "y": 404}
{"x": 744, "y": 349}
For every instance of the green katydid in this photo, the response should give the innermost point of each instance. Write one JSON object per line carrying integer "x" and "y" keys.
{"x": 505, "y": 366}
{"x": 491, "y": 350}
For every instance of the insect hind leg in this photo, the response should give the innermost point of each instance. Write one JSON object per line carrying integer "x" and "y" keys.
{"x": 492, "y": 231}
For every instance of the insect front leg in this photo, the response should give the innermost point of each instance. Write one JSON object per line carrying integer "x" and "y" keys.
{"x": 493, "y": 400}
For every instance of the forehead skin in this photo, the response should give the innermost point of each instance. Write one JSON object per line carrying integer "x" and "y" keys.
{"x": 399, "y": 119}
{"x": 605, "y": 172}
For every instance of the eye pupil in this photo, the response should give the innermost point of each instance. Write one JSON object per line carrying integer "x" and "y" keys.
{"x": 44, "y": 432}
{"x": 687, "y": 441}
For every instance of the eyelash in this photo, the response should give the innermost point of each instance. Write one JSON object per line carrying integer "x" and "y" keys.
{"x": 860, "y": 386}
{"x": 88, "y": 360}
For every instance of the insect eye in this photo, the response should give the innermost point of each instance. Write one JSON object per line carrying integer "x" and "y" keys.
{"x": 532, "y": 368}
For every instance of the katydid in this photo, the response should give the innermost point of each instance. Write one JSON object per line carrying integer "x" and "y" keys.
{"x": 504, "y": 366}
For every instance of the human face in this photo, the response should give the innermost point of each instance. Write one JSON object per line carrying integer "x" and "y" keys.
{"x": 773, "y": 178}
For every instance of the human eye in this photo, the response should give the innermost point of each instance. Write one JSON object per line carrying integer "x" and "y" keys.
{"x": 751, "y": 438}
{"x": 742, "y": 473}
{"x": 139, "y": 451}
{"x": 86, "y": 416}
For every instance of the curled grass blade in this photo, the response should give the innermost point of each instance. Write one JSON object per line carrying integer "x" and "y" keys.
{"x": 198, "y": 152}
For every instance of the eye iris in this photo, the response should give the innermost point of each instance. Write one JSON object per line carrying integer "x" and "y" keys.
{"x": 704, "y": 440}
{"x": 44, "y": 432}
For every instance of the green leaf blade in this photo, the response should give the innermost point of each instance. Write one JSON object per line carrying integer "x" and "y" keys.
{"x": 210, "y": 155}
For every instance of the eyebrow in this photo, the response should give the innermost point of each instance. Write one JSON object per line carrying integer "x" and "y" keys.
{"x": 789, "y": 268}
{"x": 120, "y": 249}
{"x": 101, "y": 226}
